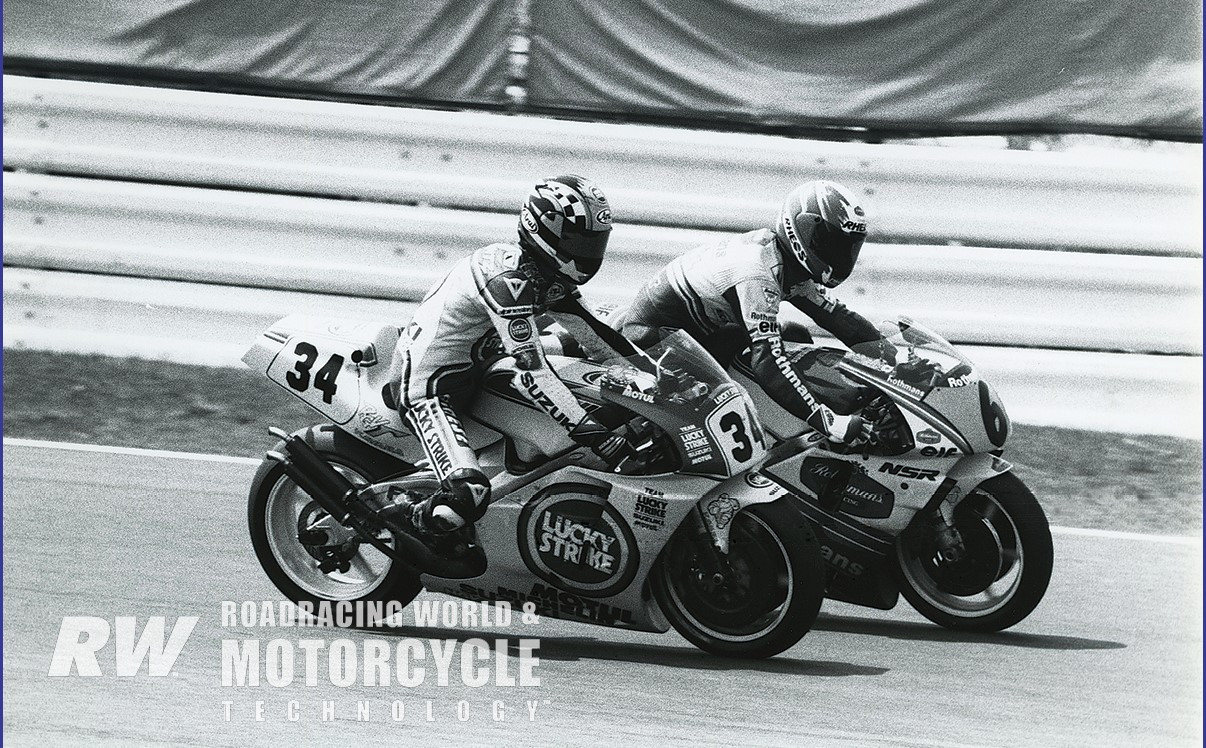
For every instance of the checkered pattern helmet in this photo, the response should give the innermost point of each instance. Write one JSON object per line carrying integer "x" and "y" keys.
{"x": 564, "y": 227}
{"x": 822, "y": 226}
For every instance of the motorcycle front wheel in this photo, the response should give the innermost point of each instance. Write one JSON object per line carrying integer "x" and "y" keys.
{"x": 760, "y": 599}
{"x": 1000, "y": 574}
{"x": 307, "y": 554}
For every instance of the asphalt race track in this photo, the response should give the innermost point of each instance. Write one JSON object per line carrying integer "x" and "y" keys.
{"x": 1111, "y": 657}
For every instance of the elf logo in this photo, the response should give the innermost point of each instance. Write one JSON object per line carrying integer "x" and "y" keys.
{"x": 939, "y": 451}
{"x": 908, "y": 471}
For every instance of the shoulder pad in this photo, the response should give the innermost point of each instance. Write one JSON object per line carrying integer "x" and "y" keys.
{"x": 510, "y": 292}
{"x": 493, "y": 259}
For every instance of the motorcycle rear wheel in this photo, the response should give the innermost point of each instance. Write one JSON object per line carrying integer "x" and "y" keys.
{"x": 278, "y": 511}
{"x": 1004, "y": 571}
{"x": 768, "y": 599}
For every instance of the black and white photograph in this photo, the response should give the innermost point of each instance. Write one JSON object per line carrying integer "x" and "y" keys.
{"x": 572, "y": 372}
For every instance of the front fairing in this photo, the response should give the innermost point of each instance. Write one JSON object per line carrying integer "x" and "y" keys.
{"x": 930, "y": 371}
{"x": 677, "y": 385}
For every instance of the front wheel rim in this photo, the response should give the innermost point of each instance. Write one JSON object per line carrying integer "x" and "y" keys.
{"x": 979, "y": 516}
{"x": 761, "y": 570}
{"x": 368, "y": 569}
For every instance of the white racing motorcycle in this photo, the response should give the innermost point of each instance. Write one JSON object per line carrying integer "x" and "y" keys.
{"x": 683, "y": 535}
{"x": 929, "y": 508}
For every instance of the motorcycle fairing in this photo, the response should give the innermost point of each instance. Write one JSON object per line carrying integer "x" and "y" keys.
{"x": 512, "y": 577}
{"x": 335, "y": 366}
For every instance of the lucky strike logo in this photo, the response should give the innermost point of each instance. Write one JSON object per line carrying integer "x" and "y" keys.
{"x": 520, "y": 330}
{"x": 571, "y": 537}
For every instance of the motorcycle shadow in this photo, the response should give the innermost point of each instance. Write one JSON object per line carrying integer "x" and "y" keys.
{"x": 935, "y": 633}
{"x": 577, "y": 648}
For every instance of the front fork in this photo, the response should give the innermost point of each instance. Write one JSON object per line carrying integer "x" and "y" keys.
{"x": 940, "y": 510}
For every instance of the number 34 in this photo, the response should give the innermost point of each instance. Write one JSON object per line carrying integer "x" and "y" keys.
{"x": 324, "y": 378}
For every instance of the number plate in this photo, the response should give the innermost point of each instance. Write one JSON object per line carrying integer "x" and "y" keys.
{"x": 736, "y": 433}
{"x": 320, "y": 371}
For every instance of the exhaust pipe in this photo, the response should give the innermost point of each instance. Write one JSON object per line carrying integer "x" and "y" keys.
{"x": 314, "y": 475}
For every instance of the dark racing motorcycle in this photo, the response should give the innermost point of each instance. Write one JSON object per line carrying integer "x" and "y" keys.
{"x": 682, "y": 535}
{"x": 929, "y": 508}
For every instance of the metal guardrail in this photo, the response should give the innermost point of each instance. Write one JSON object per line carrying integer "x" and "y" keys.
{"x": 213, "y": 325}
{"x": 988, "y": 296}
{"x": 1142, "y": 204}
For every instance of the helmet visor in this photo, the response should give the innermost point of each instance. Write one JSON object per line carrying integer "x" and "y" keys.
{"x": 831, "y": 252}
{"x": 584, "y": 244}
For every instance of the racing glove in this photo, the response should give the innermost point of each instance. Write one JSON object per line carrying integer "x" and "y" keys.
{"x": 849, "y": 430}
{"x": 608, "y": 445}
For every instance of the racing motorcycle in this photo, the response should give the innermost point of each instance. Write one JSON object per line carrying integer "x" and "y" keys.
{"x": 681, "y": 535}
{"x": 928, "y": 508}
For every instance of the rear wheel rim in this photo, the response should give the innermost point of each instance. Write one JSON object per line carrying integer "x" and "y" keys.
{"x": 369, "y": 566}
{"x": 996, "y": 561}
{"x": 751, "y": 602}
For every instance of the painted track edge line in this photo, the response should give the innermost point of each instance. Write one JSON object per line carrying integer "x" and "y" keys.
{"x": 40, "y": 444}
{"x": 138, "y": 451}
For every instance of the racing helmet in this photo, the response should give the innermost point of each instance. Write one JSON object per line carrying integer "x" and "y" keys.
{"x": 822, "y": 226}
{"x": 564, "y": 226}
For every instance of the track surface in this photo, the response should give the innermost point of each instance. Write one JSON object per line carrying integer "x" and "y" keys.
{"x": 1113, "y": 656}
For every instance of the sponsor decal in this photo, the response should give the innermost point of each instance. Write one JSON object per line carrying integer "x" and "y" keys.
{"x": 758, "y": 480}
{"x": 603, "y": 216}
{"x": 928, "y": 436}
{"x": 840, "y": 562}
{"x": 722, "y": 509}
{"x": 765, "y": 329}
{"x": 543, "y": 401}
{"x": 939, "y": 451}
{"x": 529, "y": 221}
{"x": 860, "y": 497}
{"x": 962, "y": 381}
{"x": 375, "y": 423}
{"x": 440, "y": 460}
{"x": 908, "y": 471}
{"x": 516, "y": 286}
{"x": 593, "y": 377}
{"x": 520, "y": 329}
{"x": 764, "y": 317}
{"x": 635, "y": 394}
{"x": 696, "y": 444}
{"x": 550, "y": 601}
{"x": 772, "y": 296}
{"x": 905, "y": 386}
{"x": 570, "y": 537}
{"x": 597, "y": 194}
{"x": 852, "y": 214}
{"x": 650, "y": 510}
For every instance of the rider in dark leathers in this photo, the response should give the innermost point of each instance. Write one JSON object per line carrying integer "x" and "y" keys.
{"x": 727, "y": 296}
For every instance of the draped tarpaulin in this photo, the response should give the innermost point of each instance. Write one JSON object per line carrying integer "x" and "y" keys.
{"x": 448, "y": 50}
{"x": 1093, "y": 65}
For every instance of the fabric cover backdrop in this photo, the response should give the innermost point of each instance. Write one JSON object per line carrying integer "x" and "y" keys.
{"x": 1057, "y": 64}
{"x": 1109, "y": 65}
{"x": 444, "y": 50}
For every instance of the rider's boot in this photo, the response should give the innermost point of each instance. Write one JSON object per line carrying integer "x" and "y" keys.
{"x": 429, "y": 531}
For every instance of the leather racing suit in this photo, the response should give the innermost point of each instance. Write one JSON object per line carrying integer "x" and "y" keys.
{"x": 496, "y": 290}
{"x": 727, "y": 297}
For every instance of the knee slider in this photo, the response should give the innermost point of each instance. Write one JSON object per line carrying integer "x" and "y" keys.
{"x": 469, "y": 491}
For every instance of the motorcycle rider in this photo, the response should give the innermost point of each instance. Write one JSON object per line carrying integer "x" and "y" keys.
{"x": 564, "y": 226}
{"x": 727, "y": 296}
